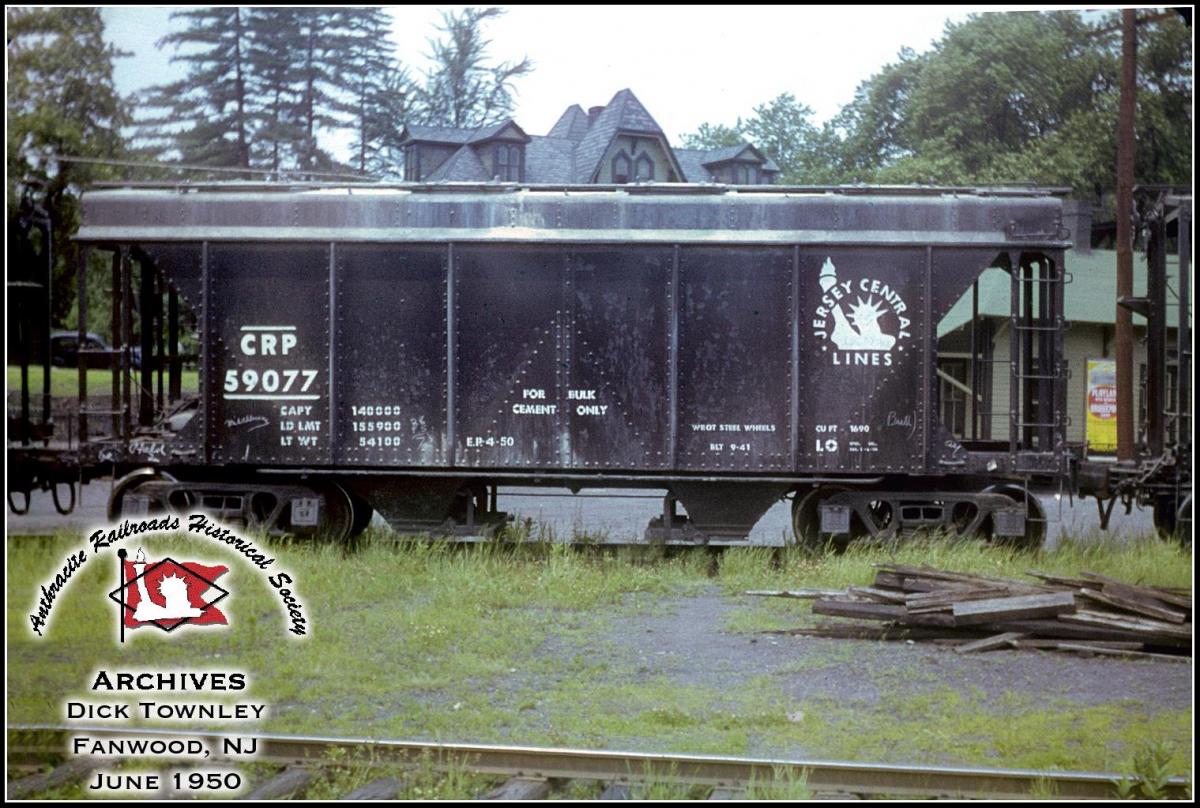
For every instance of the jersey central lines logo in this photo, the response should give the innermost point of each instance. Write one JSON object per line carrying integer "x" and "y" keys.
{"x": 862, "y": 322}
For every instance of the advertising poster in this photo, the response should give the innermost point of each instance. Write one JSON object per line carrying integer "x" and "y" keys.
{"x": 1101, "y": 414}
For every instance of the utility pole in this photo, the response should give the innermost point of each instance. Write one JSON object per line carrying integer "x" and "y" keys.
{"x": 1123, "y": 337}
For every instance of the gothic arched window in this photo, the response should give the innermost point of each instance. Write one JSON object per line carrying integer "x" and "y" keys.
{"x": 621, "y": 168}
{"x": 645, "y": 168}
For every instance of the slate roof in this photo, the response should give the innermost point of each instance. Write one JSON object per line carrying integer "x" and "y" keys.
{"x": 451, "y": 134}
{"x": 486, "y": 133}
{"x": 691, "y": 162}
{"x": 724, "y": 153}
{"x": 463, "y": 166}
{"x": 550, "y": 159}
{"x": 574, "y": 147}
{"x": 437, "y": 134}
{"x": 1089, "y": 298}
{"x": 624, "y": 113}
{"x": 572, "y": 124}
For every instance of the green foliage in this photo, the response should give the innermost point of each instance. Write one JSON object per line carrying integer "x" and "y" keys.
{"x": 61, "y": 101}
{"x": 1003, "y": 97}
{"x": 714, "y": 136}
{"x": 463, "y": 89}
{"x": 783, "y": 128}
{"x": 1152, "y": 772}
{"x": 872, "y": 126}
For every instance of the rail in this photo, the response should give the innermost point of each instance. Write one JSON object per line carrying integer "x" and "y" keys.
{"x": 35, "y": 743}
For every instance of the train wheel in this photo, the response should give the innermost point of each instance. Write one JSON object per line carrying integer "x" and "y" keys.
{"x": 363, "y": 512}
{"x": 806, "y": 520}
{"x": 1035, "y": 519}
{"x": 127, "y": 485}
{"x": 336, "y": 524}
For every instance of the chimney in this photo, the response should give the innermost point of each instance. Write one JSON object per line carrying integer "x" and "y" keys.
{"x": 593, "y": 114}
{"x": 1077, "y": 217}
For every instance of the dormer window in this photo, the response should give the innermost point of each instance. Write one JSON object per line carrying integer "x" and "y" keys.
{"x": 621, "y": 168}
{"x": 412, "y": 169}
{"x": 645, "y": 168}
{"x": 509, "y": 161}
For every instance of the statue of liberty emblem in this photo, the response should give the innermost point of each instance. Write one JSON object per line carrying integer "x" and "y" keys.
{"x": 168, "y": 593}
{"x": 849, "y": 318}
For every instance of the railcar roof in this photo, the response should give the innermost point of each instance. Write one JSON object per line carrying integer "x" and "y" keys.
{"x": 1088, "y": 298}
{"x": 642, "y": 213}
{"x": 641, "y": 187}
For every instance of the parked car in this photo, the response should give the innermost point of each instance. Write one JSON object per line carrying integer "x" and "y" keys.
{"x": 64, "y": 351}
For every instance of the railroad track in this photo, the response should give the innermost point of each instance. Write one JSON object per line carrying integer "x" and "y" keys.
{"x": 532, "y": 772}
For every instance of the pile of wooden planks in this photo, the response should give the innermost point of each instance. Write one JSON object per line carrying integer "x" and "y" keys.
{"x": 1091, "y": 614}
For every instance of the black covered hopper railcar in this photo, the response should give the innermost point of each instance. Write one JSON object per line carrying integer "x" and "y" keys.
{"x": 408, "y": 349}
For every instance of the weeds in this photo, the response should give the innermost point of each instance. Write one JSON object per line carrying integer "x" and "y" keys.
{"x": 1151, "y": 773}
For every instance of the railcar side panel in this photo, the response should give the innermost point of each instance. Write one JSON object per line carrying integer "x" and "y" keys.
{"x": 735, "y": 327}
{"x": 618, "y": 373}
{"x": 389, "y": 360}
{"x": 268, "y": 372}
{"x": 863, "y": 340}
{"x": 509, "y": 327}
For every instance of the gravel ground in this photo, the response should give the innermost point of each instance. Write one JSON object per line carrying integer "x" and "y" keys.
{"x": 685, "y": 640}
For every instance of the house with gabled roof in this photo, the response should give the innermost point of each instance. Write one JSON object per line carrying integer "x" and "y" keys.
{"x": 615, "y": 144}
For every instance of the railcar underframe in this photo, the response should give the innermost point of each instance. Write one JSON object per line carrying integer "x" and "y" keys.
{"x": 409, "y": 350}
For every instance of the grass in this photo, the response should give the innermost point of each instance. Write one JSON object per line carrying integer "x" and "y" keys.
{"x": 64, "y": 382}
{"x": 516, "y": 644}
{"x": 949, "y": 726}
{"x": 1147, "y": 561}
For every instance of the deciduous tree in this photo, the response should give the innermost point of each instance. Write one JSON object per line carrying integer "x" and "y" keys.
{"x": 61, "y": 101}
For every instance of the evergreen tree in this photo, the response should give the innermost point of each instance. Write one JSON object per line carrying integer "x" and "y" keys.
{"x": 318, "y": 38}
{"x": 463, "y": 89}
{"x": 271, "y": 80}
{"x": 376, "y": 92}
{"x": 213, "y": 101}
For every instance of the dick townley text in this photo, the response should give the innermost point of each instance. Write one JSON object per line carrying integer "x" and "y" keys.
{"x": 122, "y": 713}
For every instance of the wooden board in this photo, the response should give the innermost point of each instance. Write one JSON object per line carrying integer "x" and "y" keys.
{"x": 1005, "y": 640}
{"x": 291, "y": 782}
{"x": 1051, "y": 604}
{"x": 1089, "y": 648}
{"x": 72, "y": 771}
{"x": 801, "y": 594}
{"x": 878, "y": 595}
{"x": 1155, "y": 629}
{"x": 1165, "y": 595}
{"x": 1136, "y": 606}
{"x": 385, "y": 788}
{"x": 520, "y": 788}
